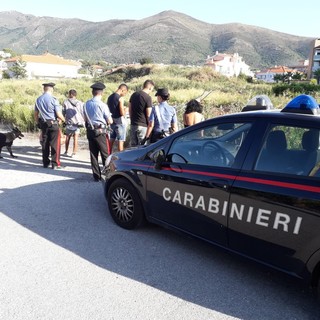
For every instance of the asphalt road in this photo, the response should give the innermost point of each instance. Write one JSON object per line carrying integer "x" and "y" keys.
{"x": 62, "y": 257}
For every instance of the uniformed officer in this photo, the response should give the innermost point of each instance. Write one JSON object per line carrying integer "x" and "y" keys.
{"x": 97, "y": 116}
{"x": 48, "y": 115}
{"x": 163, "y": 118}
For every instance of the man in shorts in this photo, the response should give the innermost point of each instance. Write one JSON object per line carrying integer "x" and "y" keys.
{"x": 116, "y": 106}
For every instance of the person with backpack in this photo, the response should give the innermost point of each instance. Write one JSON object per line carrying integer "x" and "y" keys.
{"x": 73, "y": 112}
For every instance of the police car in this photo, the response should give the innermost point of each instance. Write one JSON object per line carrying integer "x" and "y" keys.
{"x": 248, "y": 182}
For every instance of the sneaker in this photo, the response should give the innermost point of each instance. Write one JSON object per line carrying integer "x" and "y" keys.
{"x": 58, "y": 167}
{"x": 73, "y": 155}
{"x": 66, "y": 153}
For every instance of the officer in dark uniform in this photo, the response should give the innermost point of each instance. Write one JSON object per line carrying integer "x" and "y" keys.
{"x": 97, "y": 116}
{"x": 48, "y": 114}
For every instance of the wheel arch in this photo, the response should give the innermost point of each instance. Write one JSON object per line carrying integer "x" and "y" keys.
{"x": 313, "y": 268}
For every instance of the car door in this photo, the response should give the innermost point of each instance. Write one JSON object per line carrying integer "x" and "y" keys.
{"x": 190, "y": 191}
{"x": 274, "y": 205}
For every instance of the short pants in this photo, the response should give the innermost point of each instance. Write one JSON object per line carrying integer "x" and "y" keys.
{"x": 119, "y": 132}
{"x": 70, "y": 130}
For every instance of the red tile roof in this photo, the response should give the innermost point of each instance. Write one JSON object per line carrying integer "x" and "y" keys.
{"x": 45, "y": 58}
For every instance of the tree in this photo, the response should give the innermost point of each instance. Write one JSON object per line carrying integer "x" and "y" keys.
{"x": 297, "y": 76}
{"x": 10, "y": 51}
{"x": 278, "y": 77}
{"x": 287, "y": 77}
{"x": 18, "y": 69}
{"x": 316, "y": 74}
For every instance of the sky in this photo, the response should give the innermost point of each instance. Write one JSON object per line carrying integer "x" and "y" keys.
{"x": 292, "y": 17}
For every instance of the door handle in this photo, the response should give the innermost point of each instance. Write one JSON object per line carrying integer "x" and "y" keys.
{"x": 219, "y": 183}
{"x": 175, "y": 168}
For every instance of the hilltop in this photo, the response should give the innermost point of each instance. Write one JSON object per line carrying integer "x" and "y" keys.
{"x": 168, "y": 37}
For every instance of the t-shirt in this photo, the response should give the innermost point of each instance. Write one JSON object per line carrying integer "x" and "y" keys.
{"x": 113, "y": 104}
{"x": 140, "y": 101}
{"x": 73, "y": 111}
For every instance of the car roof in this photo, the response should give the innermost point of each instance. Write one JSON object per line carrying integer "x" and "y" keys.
{"x": 274, "y": 113}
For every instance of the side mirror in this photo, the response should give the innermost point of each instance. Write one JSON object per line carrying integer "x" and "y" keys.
{"x": 158, "y": 157}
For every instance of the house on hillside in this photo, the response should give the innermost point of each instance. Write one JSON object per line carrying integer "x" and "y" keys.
{"x": 267, "y": 75}
{"x": 302, "y": 66}
{"x": 230, "y": 65}
{"x": 314, "y": 58}
{"x": 3, "y": 67}
{"x": 47, "y": 66}
{"x": 5, "y": 55}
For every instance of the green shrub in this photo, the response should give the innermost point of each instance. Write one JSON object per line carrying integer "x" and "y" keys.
{"x": 17, "y": 97}
{"x": 295, "y": 88}
{"x": 17, "y": 115}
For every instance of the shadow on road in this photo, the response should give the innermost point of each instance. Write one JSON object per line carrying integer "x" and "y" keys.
{"x": 72, "y": 213}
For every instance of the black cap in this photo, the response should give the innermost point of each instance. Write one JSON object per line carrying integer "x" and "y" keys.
{"x": 49, "y": 84}
{"x": 162, "y": 92}
{"x": 98, "y": 86}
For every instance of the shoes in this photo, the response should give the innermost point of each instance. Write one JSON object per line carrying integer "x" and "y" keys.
{"x": 58, "y": 167}
{"x": 66, "y": 154}
{"x": 45, "y": 165}
{"x": 97, "y": 179}
{"x": 73, "y": 155}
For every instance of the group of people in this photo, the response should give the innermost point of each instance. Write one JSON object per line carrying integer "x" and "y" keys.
{"x": 148, "y": 123}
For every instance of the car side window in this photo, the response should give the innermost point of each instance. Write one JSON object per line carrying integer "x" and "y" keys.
{"x": 290, "y": 150}
{"x": 215, "y": 145}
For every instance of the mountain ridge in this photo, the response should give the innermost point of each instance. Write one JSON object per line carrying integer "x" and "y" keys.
{"x": 168, "y": 37}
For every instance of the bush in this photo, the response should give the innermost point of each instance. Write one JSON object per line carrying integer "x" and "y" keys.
{"x": 295, "y": 88}
{"x": 184, "y": 83}
{"x": 20, "y": 116}
{"x": 204, "y": 74}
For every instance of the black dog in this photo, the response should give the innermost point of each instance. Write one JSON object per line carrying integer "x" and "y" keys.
{"x": 6, "y": 139}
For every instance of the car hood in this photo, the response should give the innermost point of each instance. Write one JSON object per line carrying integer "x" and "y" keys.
{"x": 133, "y": 153}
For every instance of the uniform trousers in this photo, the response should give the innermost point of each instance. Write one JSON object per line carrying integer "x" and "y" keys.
{"x": 97, "y": 144}
{"x": 51, "y": 137}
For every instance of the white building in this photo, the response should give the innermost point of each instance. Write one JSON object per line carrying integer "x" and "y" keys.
{"x": 5, "y": 55}
{"x": 267, "y": 75}
{"x": 47, "y": 66}
{"x": 3, "y": 65}
{"x": 314, "y": 58}
{"x": 230, "y": 65}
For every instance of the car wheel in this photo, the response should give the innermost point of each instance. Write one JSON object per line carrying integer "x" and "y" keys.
{"x": 125, "y": 204}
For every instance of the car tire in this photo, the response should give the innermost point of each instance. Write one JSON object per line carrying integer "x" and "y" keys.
{"x": 125, "y": 204}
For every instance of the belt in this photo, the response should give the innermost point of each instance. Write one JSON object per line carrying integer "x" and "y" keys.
{"x": 100, "y": 126}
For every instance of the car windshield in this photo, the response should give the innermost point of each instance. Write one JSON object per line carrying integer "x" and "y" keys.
{"x": 215, "y": 145}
